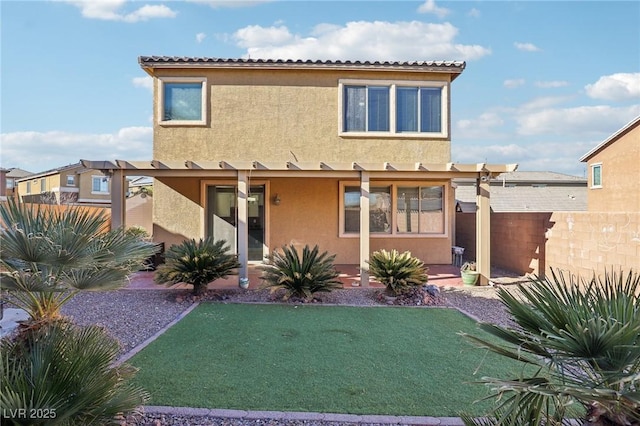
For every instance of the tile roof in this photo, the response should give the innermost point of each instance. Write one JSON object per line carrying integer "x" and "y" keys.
{"x": 532, "y": 177}
{"x": 455, "y": 67}
{"x": 52, "y": 171}
{"x": 527, "y": 198}
{"x": 17, "y": 173}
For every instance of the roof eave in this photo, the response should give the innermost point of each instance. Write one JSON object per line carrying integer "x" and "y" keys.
{"x": 149, "y": 64}
{"x": 617, "y": 135}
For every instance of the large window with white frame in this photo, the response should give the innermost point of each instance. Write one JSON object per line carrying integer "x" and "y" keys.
{"x": 386, "y": 108}
{"x": 182, "y": 101}
{"x": 596, "y": 175}
{"x": 402, "y": 209}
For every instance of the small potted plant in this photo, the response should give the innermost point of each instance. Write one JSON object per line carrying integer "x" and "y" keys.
{"x": 469, "y": 273}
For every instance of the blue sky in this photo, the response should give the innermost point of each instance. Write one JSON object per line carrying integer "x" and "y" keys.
{"x": 545, "y": 81}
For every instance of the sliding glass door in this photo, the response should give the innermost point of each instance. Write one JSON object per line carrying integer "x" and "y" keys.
{"x": 222, "y": 217}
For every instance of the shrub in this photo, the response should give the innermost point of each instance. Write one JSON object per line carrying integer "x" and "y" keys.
{"x": 398, "y": 272}
{"x": 197, "y": 263}
{"x": 48, "y": 255}
{"x": 138, "y": 232}
{"x": 581, "y": 339}
{"x": 62, "y": 374}
{"x": 300, "y": 277}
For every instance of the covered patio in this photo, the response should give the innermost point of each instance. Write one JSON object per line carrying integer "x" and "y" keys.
{"x": 241, "y": 173}
{"x": 440, "y": 275}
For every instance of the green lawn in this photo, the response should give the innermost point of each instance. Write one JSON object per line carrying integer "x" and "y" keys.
{"x": 383, "y": 360}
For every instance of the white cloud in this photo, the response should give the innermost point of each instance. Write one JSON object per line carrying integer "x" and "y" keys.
{"x": 585, "y": 120}
{"x": 429, "y": 6}
{"x": 527, "y": 47}
{"x": 110, "y": 10}
{"x": 551, "y": 84}
{"x": 200, "y": 37}
{"x": 229, "y": 3}
{"x": 360, "y": 40}
{"x": 144, "y": 82}
{"x": 262, "y": 36}
{"x": 615, "y": 87}
{"x": 54, "y": 147}
{"x": 512, "y": 84}
{"x": 543, "y": 102}
{"x": 558, "y": 156}
{"x": 485, "y": 126}
{"x": 474, "y": 13}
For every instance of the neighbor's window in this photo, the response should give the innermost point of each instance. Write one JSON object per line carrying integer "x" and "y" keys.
{"x": 71, "y": 180}
{"x": 396, "y": 209}
{"x": 596, "y": 175}
{"x": 10, "y": 183}
{"x": 182, "y": 101}
{"x": 28, "y": 187}
{"x": 413, "y": 109}
{"x": 99, "y": 184}
{"x": 43, "y": 184}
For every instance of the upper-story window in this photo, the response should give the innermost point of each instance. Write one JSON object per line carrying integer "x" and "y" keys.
{"x": 43, "y": 184}
{"x": 382, "y": 108}
{"x": 182, "y": 101}
{"x": 71, "y": 180}
{"x": 596, "y": 175}
{"x": 10, "y": 183}
{"x": 100, "y": 184}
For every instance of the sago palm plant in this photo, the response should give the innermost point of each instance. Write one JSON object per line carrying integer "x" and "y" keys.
{"x": 300, "y": 276}
{"x": 581, "y": 341}
{"x": 197, "y": 263}
{"x": 397, "y": 271}
{"x": 61, "y": 374}
{"x": 47, "y": 255}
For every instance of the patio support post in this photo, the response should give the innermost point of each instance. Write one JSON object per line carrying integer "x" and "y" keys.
{"x": 364, "y": 228}
{"x": 243, "y": 220}
{"x": 483, "y": 230}
{"x": 118, "y": 198}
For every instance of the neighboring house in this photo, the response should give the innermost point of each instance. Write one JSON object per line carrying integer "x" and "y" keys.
{"x": 142, "y": 185}
{"x": 523, "y": 191}
{"x": 11, "y": 176}
{"x": 139, "y": 204}
{"x": 72, "y": 184}
{"x": 614, "y": 171}
{"x": 352, "y": 156}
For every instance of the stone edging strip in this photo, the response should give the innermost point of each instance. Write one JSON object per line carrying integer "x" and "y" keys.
{"x": 144, "y": 344}
{"x": 304, "y": 416}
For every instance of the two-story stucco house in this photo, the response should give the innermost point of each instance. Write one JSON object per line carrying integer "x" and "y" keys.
{"x": 71, "y": 184}
{"x": 352, "y": 156}
{"x": 614, "y": 172}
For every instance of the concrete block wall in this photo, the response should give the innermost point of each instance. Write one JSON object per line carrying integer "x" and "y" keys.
{"x": 578, "y": 242}
{"x": 583, "y": 242}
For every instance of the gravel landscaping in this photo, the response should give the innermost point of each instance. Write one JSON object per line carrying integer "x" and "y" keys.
{"x": 133, "y": 316}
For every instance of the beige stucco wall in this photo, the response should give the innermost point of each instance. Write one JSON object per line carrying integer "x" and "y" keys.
{"x": 86, "y": 185}
{"x": 139, "y": 212}
{"x": 284, "y": 115}
{"x": 308, "y": 214}
{"x": 177, "y": 210}
{"x": 620, "y": 190}
{"x": 51, "y": 182}
{"x": 290, "y": 115}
